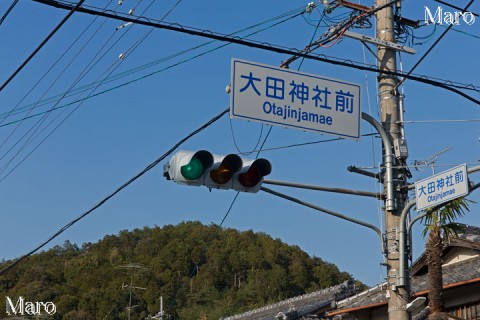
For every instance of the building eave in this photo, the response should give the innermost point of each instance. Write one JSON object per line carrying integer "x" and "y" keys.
{"x": 416, "y": 294}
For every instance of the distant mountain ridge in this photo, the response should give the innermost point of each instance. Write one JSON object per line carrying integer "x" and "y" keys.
{"x": 202, "y": 272}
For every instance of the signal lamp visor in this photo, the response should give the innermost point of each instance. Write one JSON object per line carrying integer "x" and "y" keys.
{"x": 197, "y": 165}
{"x": 224, "y": 173}
{"x": 254, "y": 174}
{"x": 250, "y": 178}
{"x": 193, "y": 170}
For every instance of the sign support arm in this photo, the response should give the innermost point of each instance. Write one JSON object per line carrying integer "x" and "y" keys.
{"x": 375, "y": 195}
{"x": 327, "y": 211}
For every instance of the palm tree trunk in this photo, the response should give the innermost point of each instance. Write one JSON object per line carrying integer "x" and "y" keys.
{"x": 434, "y": 260}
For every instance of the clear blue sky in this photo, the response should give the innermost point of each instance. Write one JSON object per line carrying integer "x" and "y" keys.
{"x": 115, "y": 135}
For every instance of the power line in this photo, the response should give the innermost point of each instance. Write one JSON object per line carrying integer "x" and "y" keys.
{"x": 261, "y": 149}
{"x": 4, "y": 116}
{"x": 442, "y": 121}
{"x": 261, "y": 131}
{"x": 12, "y": 111}
{"x": 258, "y": 45}
{"x": 42, "y": 44}
{"x": 113, "y": 67}
{"x": 36, "y": 127}
{"x": 453, "y": 6}
{"x": 461, "y": 31}
{"x": 412, "y": 163}
{"x": 126, "y": 73}
{"x": 111, "y": 195}
{"x": 431, "y": 48}
{"x": 338, "y": 31}
{"x": 14, "y": 3}
{"x": 139, "y": 42}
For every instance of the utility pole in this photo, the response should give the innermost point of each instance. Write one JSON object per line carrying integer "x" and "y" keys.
{"x": 391, "y": 119}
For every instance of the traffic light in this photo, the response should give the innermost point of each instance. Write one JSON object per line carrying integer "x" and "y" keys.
{"x": 214, "y": 171}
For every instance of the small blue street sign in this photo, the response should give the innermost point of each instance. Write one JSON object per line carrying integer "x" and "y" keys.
{"x": 442, "y": 187}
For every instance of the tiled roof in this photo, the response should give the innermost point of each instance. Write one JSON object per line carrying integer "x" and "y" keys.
{"x": 455, "y": 273}
{"x": 468, "y": 237}
{"x": 471, "y": 233}
{"x": 298, "y": 307}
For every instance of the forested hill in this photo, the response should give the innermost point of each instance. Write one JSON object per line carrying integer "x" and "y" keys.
{"x": 202, "y": 272}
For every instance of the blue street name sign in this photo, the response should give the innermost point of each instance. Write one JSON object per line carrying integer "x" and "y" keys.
{"x": 442, "y": 187}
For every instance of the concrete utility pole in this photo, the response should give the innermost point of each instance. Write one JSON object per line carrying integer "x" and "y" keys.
{"x": 391, "y": 117}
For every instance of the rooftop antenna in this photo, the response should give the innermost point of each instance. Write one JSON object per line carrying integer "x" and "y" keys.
{"x": 132, "y": 268}
{"x": 430, "y": 161}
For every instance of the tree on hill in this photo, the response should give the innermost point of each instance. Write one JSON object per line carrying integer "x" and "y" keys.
{"x": 201, "y": 271}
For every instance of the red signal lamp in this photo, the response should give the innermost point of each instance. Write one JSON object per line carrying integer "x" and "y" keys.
{"x": 255, "y": 173}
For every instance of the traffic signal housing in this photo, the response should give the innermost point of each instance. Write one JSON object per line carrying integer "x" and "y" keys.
{"x": 196, "y": 168}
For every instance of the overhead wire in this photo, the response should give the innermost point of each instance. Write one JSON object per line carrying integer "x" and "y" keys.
{"x": 432, "y": 82}
{"x": 261, "y": 149}
{"x": 296, "y": 13}
{"x": 109, "y": 70}
{"x": 45, "y": 115}
{"x": 453, "y": 6}
{"x": 5, "y": 15}
{"x": 81, "y": 101}
{"x": 303, "y": 144}
{"x": 116, "y": 191}
{"x": 232, "y": 203}
{"x": 245, "y": 153}
{"x": 40, "y": 46}
{"x": 430, "y": 49}
{"x": 152, "y": 165}
{"x": 335, "y": 32}
{"x": 4, "y": 116}
{"x": 405, "y": 34}
{"x": 461, "y": 31}
{"x": 33, "y": 135}
{"x": 12, "y": 111}
{"x": 412, "y": 163}
{"x": 128, "y": 72}
{"x": 262, "y": 125}
{"x": 135, "y": 46}
{"x": 287, "y": 16}
{"x": 471, "y": 87}
{"x": 268, "y": 47}
{"x": 72, "y": 91}
{"x": 35, "y": 127}
{"x": 298, "y": 68}
{"x": 442, "y": 121}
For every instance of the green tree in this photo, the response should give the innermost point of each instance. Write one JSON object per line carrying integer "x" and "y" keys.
{"x": 200, "y": 271}
{"x": 440, "y": 225}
